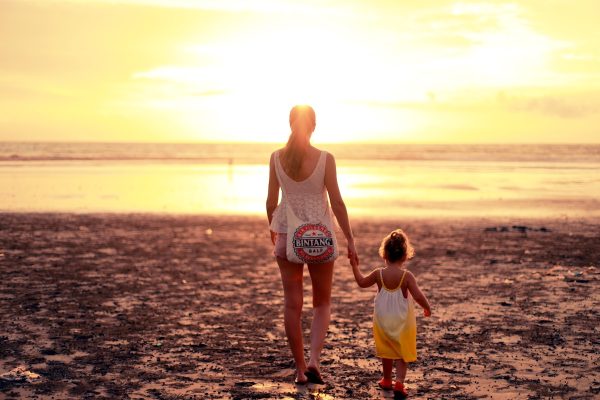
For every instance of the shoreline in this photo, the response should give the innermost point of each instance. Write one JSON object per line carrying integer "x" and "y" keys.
{"x": 505, "y": 218}
{"x": 109, "y": 305}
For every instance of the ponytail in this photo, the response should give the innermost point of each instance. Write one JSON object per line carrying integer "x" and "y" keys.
{"x": 302, "y": 123}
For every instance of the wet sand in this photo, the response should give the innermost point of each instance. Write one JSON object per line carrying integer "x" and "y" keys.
{"x": 177, "y": 307}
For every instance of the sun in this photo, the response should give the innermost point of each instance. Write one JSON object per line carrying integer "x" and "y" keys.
{"x": 242, "y": 88}
{"x": 363, "y": 86}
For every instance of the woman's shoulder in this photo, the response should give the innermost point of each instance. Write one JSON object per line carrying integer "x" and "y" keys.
{"x": 319, "y": 151}
{"x": 275, "y": 153}
{"x": 329, "y": 158}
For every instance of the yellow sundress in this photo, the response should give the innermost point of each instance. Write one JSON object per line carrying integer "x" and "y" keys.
{"x": 394, "y": 323}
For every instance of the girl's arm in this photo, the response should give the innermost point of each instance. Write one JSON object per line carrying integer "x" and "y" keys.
{"x": 416, "y": 293}
{"x": 339, "y": 207}
{"x": 273, "y": 193}
{"x": 362, "y": 280}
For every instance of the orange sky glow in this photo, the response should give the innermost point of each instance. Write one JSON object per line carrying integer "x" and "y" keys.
{"x": 229, "y": 70}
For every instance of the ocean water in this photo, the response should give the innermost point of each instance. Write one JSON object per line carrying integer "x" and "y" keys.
{"x": 376, "y": 180}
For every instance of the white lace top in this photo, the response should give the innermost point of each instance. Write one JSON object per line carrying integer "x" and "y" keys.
{"x": 308, "y": 198}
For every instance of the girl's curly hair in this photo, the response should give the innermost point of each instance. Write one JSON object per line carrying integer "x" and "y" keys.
{"x": 396, "y": 247}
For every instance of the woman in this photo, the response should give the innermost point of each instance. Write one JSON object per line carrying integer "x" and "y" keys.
{"x": 306, "y": 175}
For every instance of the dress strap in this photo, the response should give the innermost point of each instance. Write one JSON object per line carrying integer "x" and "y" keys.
{"x": 402, "y": 279}
{"x": 381, "y": 278}
{"x": 400, "y": 284}
{"x": 322, "y": 161}
{"x": 278, "y": 171}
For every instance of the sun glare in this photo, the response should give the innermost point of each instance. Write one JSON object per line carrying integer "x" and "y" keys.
{"x": 231, "y": 70}
{"x": 249, "y": 82}
{"x": 244, "y": 84}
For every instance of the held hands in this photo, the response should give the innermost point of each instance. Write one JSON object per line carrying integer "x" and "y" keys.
{"x": 352, "y": 254}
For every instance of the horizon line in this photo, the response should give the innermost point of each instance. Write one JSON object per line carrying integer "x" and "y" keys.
{"x": 282, "y": 143}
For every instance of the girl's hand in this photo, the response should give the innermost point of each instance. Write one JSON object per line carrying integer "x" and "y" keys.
{"x": 273, "y": 237}
{"x": 427, "y": 313}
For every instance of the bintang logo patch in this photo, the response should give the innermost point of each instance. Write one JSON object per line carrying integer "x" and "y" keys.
{"x": 313, "y": 243}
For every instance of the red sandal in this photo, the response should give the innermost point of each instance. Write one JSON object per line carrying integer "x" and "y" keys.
{"x": 385, "y": 384}
{"x": 400, "y": 391}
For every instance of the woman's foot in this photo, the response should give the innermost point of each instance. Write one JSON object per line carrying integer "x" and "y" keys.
{"x": 400, "y": 391}
{"x": 385, "y": 384}
{"x": 300, "y": 378}
{"x": 314, "y": 375}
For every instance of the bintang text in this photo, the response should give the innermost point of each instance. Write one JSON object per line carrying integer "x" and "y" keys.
{"x": 313, "y": 242}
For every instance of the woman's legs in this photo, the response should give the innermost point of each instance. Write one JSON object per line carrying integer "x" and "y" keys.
{"x": 291, "y": 277}
{"x": 321, "y": 276}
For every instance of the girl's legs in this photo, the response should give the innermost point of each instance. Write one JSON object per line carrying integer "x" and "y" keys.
{"x": 387, "y": 369}
{"x": 400, "y": 371}
{"x": 399, "y": 388}
{"x": 291, "y": 277}
{"x": 386, "y": 382}
{"x": 321, "y": 276}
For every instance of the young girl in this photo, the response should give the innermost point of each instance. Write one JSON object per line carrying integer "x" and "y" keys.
{"x": 394, "y": 324}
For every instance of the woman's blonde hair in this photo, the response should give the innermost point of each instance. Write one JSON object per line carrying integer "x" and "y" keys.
{"x": 396, "y": 247}
{"x": 302, "y": 122}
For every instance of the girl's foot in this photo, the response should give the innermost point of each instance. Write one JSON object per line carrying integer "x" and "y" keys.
{"x": 314, "y": 375}
{"x": 385, "y": 384}
{"x": 400, "y": 391}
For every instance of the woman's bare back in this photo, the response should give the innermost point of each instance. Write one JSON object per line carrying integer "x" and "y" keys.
{"x": 309, "y": 163}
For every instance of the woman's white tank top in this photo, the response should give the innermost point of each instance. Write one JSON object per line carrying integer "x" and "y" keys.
{"x": 307, "y": 198}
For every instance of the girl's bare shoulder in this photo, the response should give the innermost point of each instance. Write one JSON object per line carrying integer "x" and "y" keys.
{"x": 376, "y": 273}
{"x": 409, "y": 278}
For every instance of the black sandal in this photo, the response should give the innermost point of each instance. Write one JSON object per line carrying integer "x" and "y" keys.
{"x": 314, "y": 376}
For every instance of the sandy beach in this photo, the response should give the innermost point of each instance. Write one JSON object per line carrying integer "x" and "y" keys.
{"x": 119, "y": 306}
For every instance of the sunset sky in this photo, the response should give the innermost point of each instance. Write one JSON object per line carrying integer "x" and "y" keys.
{"x": 229, "y": 70}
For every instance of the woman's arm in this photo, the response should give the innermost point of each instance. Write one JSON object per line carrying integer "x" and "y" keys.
{"x": 273, "y": 193}
{"x": 339, "y": 207}
{"x": 416, "y": 293}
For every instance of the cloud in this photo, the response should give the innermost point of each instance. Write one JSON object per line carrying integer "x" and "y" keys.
{"x": 566, "y": 106}
{"x": 557, "y": 106}
{"x": 307, "y": 8}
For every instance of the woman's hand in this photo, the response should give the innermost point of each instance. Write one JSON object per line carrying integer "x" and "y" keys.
{"x": 427, "y": 313}
{"x": 352, "y": 253}
{"x": 273, "y": 237}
